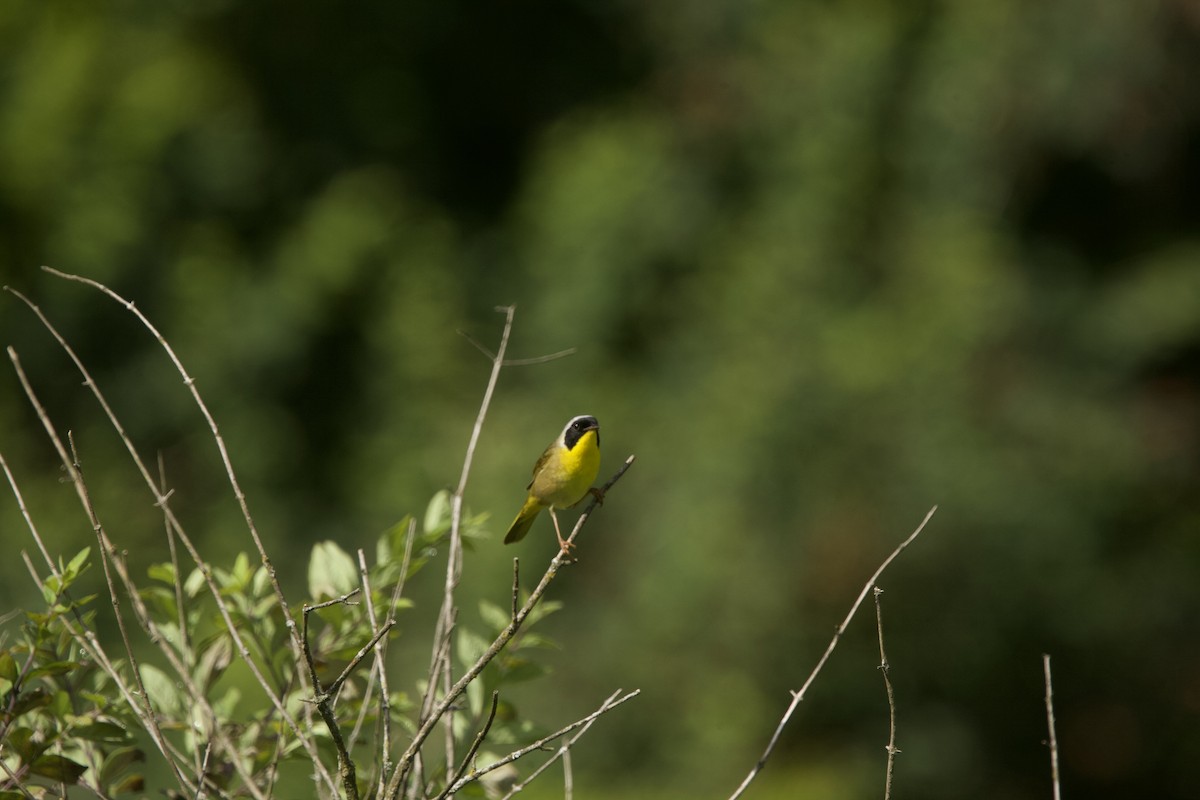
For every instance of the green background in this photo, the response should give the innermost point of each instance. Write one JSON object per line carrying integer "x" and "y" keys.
{"x": 825, "y": 264}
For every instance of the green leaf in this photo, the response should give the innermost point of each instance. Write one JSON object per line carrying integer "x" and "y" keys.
{"x": 262, "y": 582}
{"x": 542, "y": 610}
{"x": 437, "y": 515}
{"x": 537, "y": 640}
{"x": 162, "y": 572}
{"x": 213, "y": 662}
{"x": 8, "y": 667}
{"x": 118, "y": 761}
{"x": 194, "y": 583}
{"x": 57, "y": 768}
{"x": 132, "y": 783}
{"x": 28, "y": 701}
{"x": 471, "y": 646}
{"x": 164, "y": 694}
{"x": 474, "y": 700}
{"x": 331, "y": 571}
{"x": 494, "y": 616}
{"x": 53, "y": 668}
{"x": 225, "y": 705}
{"x": 21, "y": 741}
{"x": 518, "y": 670}
{"x": 76, "y": 567}
{"x": 102, "y": 731}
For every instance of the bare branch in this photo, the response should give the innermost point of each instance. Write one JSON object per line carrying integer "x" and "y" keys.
{"x": 516, "y": 362}
{"x": 798, "y": 696}
{"x": 884, "y": 668}
{"x": 190, "y": 382}
{"x": 440, "y": 669}
{"x": 479, "y": 737}
{"x": 324, "y": 696}
{"x": 161, "y": 500}
{"x": 1053, "y": 742}
{"x": 608, "y": 705}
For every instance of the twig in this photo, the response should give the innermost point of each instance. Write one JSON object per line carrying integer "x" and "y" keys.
{"x": 798, "y": 696}
{"x": 190, "y": 382}
{"x": 885, "y": 668}
{"x": 441, "y": 668}
{"x": 568, "y": 776}
{"x": 384, "y": 745}
{"x": 493, "y": 650}
{"x": 516, "y": 590}
{"x": 180, "y": 606}
{"x": 324, "y": 695}
{"x": 479, "y": 737}
{"x": 580, "y": 724}
{"x": 517, "y": 362}
{"x": 1050, "y": 726}
{"x": 161, "y": 500}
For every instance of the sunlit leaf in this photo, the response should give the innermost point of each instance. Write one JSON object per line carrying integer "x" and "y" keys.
{"x": 75, "y": 568}
{"x": 331, "y": 571}
{"x": 437, "y": 515}
{"x": 162, "y": 572}
{"x": 164, "y": 693}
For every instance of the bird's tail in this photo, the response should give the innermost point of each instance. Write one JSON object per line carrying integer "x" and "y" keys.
{"x": 524, "y": 520}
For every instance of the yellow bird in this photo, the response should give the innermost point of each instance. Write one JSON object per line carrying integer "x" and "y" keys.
{"x": 561, "y": 477}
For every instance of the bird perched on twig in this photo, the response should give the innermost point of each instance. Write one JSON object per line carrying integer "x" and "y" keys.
{"x": 561, "y": 477}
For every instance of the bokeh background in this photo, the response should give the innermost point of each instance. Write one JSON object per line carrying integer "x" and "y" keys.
{"x": 825, "y": 264}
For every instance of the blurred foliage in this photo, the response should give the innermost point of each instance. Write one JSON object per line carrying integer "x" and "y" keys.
{"x": 826, "y": 264}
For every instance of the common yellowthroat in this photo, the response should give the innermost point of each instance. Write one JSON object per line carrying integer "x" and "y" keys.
{"x": 561, "y": 477}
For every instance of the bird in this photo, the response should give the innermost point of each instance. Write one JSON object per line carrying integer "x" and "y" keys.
{"x": 561, "y": 477}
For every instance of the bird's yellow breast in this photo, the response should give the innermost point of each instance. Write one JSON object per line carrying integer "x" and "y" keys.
{"x": 566, "y": 475}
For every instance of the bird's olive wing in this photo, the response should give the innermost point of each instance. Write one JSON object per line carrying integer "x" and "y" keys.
{"x": 541, "y": 462}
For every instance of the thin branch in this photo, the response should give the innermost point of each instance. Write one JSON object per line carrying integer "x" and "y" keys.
{"x": 345, "y": 763}
{"x": 516, "y": 589}
{"x": 384, "y": 743}
{"x": 798, "y": 696}
{"x": 474, "y": 748}
{"x": 885, "y": 668}
{"x": 181, "y": 607}
{"x": 1050, "y": 727}
{"x": 441, "y": 670}
{"x": 377, "y": 670}
{"x": 505, "y": 636}
{"x": 190, "y": 382}
{"x": 161, "y": 500}
{"x": 568, "y": 776}
{"x": 526, "y": 362}
{"x": 608, "y": 705}
{"x": 517, "y": 362}
{"x": 336, "y": 686}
